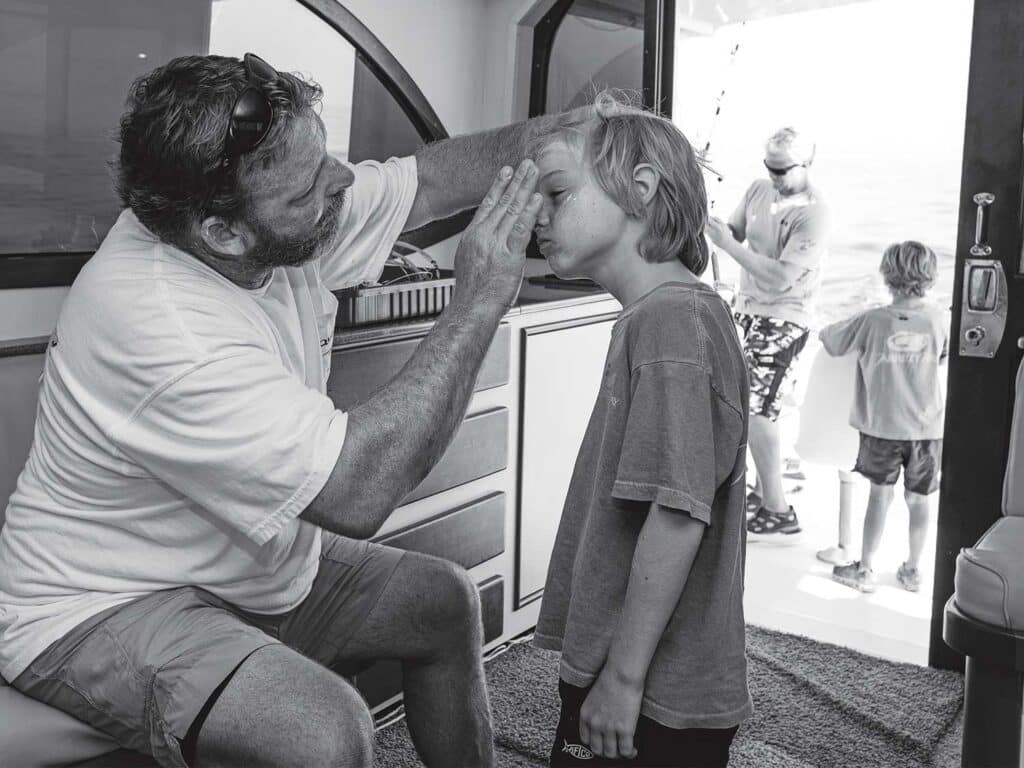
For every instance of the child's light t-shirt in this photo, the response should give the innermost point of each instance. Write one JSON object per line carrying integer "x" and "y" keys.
{"x": 669, "y": 426}
{"x": 897, "y": 392}
{"x": 183, "y": 427}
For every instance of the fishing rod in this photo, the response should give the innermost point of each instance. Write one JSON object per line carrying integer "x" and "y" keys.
{"x": 705, "y": 153}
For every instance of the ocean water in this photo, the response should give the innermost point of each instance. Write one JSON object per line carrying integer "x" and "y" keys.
{"x": 884, "y": 103}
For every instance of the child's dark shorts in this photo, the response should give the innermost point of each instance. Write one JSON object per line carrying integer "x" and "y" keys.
{"x": 880, "y": 459}
{"x": 656, "y": 745}
{"x": 771, "y": 348}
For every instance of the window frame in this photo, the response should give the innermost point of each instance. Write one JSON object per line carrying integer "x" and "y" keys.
{"x": 659, "y": 48}
{"x": 59, "y": 268}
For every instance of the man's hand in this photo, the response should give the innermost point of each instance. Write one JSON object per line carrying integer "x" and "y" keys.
{"x": 491, "y": 257}
{"x": 719, "y": 232}
{"x": 609, "y": 715}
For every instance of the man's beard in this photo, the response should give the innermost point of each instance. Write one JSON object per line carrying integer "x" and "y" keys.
{"x": 272, "y": 250}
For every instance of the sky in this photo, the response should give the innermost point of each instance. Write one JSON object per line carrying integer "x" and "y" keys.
{"x": 881, "y": 85}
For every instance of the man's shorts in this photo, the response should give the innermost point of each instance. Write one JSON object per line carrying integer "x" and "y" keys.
{"x": 879, "y": 460}
{"x": 656, "y": 745}
{"x": 771, "y": 348}
{"x": 143, "y": 671}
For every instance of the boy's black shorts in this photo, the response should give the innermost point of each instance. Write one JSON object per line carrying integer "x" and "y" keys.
{"x": 656, "y": 745}
{"x": 880, "y": 459}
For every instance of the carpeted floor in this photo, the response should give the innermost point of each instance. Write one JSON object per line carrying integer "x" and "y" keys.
{"x": 817, "y": 706}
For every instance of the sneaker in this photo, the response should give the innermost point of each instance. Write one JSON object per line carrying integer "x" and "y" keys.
{"x": 909, "y": 577}
{"x": 764, "y": 522}
{"x": 852, "y": 575}
{"x": 835, "y": 555}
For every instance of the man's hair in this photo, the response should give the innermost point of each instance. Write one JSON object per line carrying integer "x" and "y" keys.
{"x": 172, "y": 142}
{"x": 909, "y": 268}
{"x": 793, "y": 142}
{"x": 617, "y": 137}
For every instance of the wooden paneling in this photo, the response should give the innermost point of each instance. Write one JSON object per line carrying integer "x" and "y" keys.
{"x": 468, "y": 535}
{"x": 358, "y": 372}
{"x": 479, "y": 448}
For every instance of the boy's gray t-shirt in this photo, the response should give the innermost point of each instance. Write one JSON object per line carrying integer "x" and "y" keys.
{"x": 897, "y": 394}
{"x": 669, "y": 426}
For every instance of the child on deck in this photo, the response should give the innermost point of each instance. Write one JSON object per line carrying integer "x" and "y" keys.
{"x": 644, "y": 590}
{"x": 898, "y": 408}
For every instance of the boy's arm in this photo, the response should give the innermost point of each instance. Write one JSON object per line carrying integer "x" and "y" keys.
{"x": 668, "y": 544}
{"x": 842, "y": 336}
{"x": 454, "y": 174}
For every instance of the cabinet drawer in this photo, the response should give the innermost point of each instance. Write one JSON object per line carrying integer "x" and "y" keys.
{"x": 383, "y": 680}
{"x": 479, "y": 448}
{"x": 358, "y": 372}
{"x": 468, "y": 535}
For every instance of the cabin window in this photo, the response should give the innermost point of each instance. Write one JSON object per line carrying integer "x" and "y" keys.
{"x": 597, "y": 45}
{"x": 65, "y": 69}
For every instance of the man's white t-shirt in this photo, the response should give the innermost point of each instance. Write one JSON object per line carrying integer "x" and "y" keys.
{"x": 183, "y": 425}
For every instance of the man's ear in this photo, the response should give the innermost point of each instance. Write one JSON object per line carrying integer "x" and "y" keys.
{"x": 646, "y": 179}
{"x": 222, "y": 238}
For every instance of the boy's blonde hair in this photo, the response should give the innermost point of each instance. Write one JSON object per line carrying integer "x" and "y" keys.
{"x": 616, "y": 137}
{"x": 909, "y": 268}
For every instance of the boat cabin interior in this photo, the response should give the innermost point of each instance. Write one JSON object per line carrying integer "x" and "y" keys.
{"x": 919, "y": 111}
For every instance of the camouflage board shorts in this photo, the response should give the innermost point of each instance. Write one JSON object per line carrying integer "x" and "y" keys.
{"x": 771, "y": 348}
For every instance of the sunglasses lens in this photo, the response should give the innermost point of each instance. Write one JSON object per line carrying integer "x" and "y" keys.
{"x": 779, "y": 171}
{"x": 250, "y": 122}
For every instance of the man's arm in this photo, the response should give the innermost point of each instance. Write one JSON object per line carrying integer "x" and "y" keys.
{"x": 664, "y": 554}
{"x": 453, "y": 174}
{"x": 779, "y": 275}
{"x": 395, "y": 438}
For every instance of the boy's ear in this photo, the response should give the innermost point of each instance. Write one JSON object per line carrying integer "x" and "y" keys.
{"x": 646, "y": 179}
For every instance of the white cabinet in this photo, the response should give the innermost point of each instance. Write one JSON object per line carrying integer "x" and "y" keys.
{"x": 562, "y": 368}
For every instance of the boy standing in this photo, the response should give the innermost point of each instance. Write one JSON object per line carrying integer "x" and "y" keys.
{"x": 644, "y": 592}
{"x": 898, "y": 408}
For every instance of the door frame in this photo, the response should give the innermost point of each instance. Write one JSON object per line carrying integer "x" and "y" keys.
{"x": 980, "y": 391}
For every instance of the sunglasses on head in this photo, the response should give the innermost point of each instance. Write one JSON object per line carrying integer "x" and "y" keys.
{"x": 780, "y": 171}
{"x": 253, "y": 115}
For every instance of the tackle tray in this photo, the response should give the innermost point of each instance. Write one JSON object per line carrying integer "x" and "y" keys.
{"x": 402, "y": 301}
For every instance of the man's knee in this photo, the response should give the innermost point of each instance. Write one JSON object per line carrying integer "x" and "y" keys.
{"x": 307, "y": 716}
{"x": 453, "y": 608}
{"x": 346, "y": 743}
{"x": 350, "y": 744}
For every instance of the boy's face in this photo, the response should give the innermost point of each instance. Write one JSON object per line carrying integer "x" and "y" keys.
{"x": 579, "y": 226}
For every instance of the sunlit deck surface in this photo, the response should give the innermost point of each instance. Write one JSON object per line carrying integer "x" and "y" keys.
{"x": 789, "y": 589}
